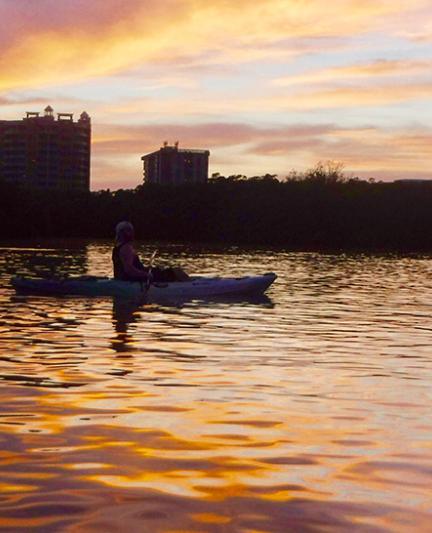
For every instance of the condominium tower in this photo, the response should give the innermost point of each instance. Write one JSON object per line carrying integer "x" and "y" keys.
{"x": 172, "y": 165}
{"x": 44, "y": 152}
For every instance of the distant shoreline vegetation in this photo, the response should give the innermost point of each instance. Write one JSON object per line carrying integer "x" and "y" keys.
{"x": 321, "y": 209}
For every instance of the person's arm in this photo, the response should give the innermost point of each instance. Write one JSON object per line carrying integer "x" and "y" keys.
{"x": 127, "y": 256}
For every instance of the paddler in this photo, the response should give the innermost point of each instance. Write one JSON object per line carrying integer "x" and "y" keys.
{"x": 127, "y": 265}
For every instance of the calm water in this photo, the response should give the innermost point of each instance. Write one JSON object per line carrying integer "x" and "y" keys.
{"x": 308, "y": 410}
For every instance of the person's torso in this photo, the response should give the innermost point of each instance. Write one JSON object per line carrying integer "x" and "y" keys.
{"x": 118, "y": 267}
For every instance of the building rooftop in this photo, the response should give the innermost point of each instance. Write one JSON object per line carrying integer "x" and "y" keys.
{"x": 48, "y": 117}
{"x": 175, "y": 147}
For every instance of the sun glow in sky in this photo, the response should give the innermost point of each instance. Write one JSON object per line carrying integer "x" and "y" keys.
{"x": 266, "y": 86}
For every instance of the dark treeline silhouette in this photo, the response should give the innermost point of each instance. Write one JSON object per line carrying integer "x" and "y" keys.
{"x": 321, "y": 209}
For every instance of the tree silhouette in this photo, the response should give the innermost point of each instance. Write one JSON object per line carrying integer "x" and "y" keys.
{"x": 320, "y": 209}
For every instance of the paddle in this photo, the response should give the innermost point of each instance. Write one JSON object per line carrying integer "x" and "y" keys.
{"x": 149, "y": 274}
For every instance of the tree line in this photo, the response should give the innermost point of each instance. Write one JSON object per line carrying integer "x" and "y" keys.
{"x": 321, "y": 209}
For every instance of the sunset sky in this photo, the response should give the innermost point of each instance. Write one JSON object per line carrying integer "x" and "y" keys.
{"x": 266, "y": 86}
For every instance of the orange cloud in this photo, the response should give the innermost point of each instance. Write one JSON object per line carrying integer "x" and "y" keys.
{"x": 417, "y": 25}
{"x": 376, "y": 69}
{"x": 372, "y": 151}
{"x": 360, "y": 96}
{"x": 64, "y": 41}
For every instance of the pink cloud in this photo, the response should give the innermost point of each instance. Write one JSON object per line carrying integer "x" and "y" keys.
{"x": 112, "y": 139}
{"x": 109, "y": 174}
{"x": 364, "y": 151}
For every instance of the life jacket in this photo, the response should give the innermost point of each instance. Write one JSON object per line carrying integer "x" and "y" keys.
{"x": 118, "y": 267}
{"x": 158, "y": 274}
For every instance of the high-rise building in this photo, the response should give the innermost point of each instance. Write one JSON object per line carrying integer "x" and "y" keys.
{"x": 46, "y": 152}
{"x": 172, "y": 165}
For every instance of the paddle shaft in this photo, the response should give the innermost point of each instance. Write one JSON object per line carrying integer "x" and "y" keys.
{"x": 148, "y": 283}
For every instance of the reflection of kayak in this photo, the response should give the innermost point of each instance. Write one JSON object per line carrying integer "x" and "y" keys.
{"x": 197, "y": 287}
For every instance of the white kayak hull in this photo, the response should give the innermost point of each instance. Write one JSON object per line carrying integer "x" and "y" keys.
{"x": 197, "y": 287}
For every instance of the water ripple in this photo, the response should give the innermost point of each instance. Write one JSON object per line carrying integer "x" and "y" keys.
{"x": 307, "y": 409}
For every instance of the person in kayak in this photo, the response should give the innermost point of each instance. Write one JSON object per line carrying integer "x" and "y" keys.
{"x": 127, "y": 265}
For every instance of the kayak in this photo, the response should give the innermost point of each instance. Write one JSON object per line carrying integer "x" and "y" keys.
{"x": 196, "y": 287}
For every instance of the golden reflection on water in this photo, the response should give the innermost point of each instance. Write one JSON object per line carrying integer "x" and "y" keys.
{"x": 308, "y": 409}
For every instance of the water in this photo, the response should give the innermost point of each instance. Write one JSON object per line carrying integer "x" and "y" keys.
{"x": 306, "y": 410}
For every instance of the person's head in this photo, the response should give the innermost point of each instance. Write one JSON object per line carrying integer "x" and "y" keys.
{"x": 124, "y": 232}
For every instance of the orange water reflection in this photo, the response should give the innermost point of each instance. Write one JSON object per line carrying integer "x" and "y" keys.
{"x": 308, "y": 411}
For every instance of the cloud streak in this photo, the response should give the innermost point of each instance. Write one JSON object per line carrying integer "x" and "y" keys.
{"x": 383, "y": 68}
{"x": 201, "y": 103}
